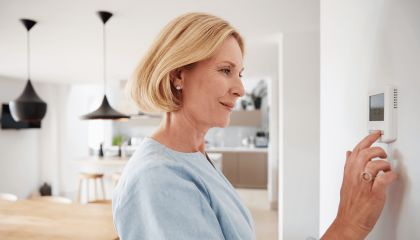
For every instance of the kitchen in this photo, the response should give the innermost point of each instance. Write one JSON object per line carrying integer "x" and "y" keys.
{"x": 311, "y": 62}
{"x": 116, "y": 141}
{"x": 79, "y": 160}
{"x": 67, "y": 72}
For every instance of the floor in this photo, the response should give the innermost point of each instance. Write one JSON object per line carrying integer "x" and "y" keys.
{"x": 265, "y": 220}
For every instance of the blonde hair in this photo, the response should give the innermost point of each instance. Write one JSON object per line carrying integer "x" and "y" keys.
{"x": 187, "y": 39}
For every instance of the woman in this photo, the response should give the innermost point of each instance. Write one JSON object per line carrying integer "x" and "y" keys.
{"x": 170, "y": 189}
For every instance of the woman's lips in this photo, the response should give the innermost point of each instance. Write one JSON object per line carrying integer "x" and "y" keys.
{"x": 228, "y": 106}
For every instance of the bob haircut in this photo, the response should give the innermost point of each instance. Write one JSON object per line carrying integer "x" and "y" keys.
{"x": 187, "y": 39}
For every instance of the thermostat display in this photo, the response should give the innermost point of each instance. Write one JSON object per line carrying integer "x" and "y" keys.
{"x": 382, "y": 107}
{"x": 376, "y": 107}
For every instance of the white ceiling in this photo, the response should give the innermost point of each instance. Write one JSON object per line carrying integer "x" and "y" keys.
{"x": 67, "y": 41}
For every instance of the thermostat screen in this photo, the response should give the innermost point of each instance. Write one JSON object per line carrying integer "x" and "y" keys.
{"x": 376, "y": 107}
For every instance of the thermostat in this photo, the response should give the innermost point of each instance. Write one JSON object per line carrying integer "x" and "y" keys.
{"x": 382, "y": 111}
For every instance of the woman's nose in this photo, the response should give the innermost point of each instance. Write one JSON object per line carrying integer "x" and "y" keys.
{"x": 238, "y": 89}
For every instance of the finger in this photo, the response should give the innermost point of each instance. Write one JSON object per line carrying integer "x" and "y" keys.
{"x": 348, "y": 153}
{"x": 373, "y": 152}
{"x": 382, "y": 181}
{"x": 367, "y": 141}
{"x": 374, "y": 167}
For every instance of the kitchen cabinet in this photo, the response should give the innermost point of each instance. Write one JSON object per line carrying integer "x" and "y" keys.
{"x": 246, "y": 118}
{"x": 246, "y": 170}
{"x": 230, "y": 167}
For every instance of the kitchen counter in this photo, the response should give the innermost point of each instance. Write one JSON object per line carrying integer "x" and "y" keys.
{"x": 111, "y": 164}
{"x": 115, "y": 161}
{"x": 131, "y": 150}
{"x": 236, "y": 149}
{"x": 104, "y": 161}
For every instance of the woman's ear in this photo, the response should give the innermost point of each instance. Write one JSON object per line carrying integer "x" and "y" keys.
{"x": 177, "y": 77}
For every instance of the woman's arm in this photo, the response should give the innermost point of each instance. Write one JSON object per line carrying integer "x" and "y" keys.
{"x": 361, "y": 200}
{"x": 341, "y": 231}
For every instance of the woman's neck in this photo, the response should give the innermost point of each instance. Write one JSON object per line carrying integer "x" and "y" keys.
{"x": 179, "y": 132}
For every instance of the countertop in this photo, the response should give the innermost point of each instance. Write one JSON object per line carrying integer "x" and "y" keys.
{"x": 237, "y": 149}
{"x": 213, "y": 149}
{"x": 120, "y": 161}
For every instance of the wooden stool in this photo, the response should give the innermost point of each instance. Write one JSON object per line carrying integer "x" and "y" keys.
{"x": 88, "y": 177}
{"x": 101, "y": 202}
{"x": 115, "y": 178}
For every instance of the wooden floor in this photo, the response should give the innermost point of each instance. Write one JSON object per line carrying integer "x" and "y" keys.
{"x": 266, "y": 220}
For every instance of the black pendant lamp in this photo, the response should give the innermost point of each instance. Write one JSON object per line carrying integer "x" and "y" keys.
{"x": 28, "y": 107}
{"x": 105, "y": 111}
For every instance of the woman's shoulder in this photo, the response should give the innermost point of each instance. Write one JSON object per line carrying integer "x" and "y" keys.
{"x": 152, "y": 166}
{"x": 149, "y": 155}
{"x": 144, "y": 166}
{"x": 153, "y": 177}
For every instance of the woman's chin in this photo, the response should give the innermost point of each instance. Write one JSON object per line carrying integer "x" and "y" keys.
{"x": 223, "y": 124}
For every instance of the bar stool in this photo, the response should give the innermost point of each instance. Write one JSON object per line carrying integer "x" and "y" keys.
{"x": 115, "y": 178}
{"x": 101, "y": 202}
{"x": 91, "y": 177}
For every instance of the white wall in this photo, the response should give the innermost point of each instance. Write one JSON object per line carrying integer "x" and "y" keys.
{"x": 365, "y": 44}
{"x": 262, "y": 59}
{"x": 292, "y": 60}
{"x": 298, "y": 20}
{"x": 299, "y": 136}
{"x": 18, "y": 151}
{"x": 75, "y": 133}
{"x": 28, "y": 156}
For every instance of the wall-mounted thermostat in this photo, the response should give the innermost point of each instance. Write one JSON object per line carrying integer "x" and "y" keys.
{"x": 383, "y": 105}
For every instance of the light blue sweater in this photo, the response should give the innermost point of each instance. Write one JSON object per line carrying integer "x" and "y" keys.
{"x": 165, "y": 194}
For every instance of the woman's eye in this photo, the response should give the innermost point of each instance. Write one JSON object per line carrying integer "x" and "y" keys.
{"x": 225, "y": 71}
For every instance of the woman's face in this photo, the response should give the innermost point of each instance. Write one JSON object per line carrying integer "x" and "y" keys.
{"x": 211, "y": 87}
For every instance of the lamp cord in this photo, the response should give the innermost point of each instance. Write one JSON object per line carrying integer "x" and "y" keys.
{"x": 104, "y": 58}
{"x": 28, "y": 54}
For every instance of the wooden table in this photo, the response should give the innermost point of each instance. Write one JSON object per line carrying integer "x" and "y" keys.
{"x": 26, "y": 219}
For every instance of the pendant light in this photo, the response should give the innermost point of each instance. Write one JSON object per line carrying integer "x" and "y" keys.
{"x": 105, "y": 111}
{"x": 28, "y": 107}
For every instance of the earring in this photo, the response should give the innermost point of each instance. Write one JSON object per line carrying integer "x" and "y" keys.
{"x": 178, "y": 87}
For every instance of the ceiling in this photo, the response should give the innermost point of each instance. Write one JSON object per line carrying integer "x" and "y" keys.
{"x": 66, "y": 44}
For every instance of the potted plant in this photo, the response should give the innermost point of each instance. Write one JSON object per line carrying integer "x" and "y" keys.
{"x": 117, "y": 141}
{"x": 258, "y": 93}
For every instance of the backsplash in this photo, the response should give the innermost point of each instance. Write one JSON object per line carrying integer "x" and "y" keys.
{"x": 230, "y": 136}
{"x": 215, "y": 137}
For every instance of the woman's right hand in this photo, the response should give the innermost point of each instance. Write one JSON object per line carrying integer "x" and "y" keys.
{"x": 361, "y": 201}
